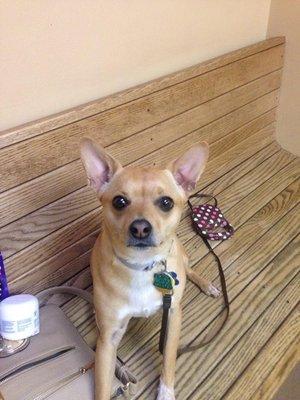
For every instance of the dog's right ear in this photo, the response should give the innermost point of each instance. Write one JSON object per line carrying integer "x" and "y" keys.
{"x": 99, "y": 166}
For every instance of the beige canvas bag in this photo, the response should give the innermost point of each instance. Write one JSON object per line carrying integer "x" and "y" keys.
{"x": 56, "y": 365}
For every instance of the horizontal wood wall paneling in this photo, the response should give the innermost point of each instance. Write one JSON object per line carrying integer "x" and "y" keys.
{"x": 52, "y": 252}
{"x": 244, "y": 103}
{"x": 228, "y": 160}
{"x": 241, "y": 105}
{"x": 26, "y": 160}
{"x": 169, "y": 152}
{"x": 163, "y": 156}
{"x": 41, "y": 223}
{"x": 33, "y": 256}
{"x": 230, "y": 252}
{"x": 59, "y": 269}
{"x": 245, "y": 288}
{"x": 39, "y": 257}
{"x": 23, "y": 199}
{"x": 29, "y": 130}
{"x": 74, "y": 273}
{"x": 25, "y": 231}
{"x": 280, "y": 159}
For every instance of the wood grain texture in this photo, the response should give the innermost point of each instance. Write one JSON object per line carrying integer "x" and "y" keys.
{"x": 217, "y": 129}
{"x": 257, "y": 347}
{"x": 249, "y": 298}
{"x": 49, "y": 219}
{"x": 260, "y": 196}
{"x": 280, "y": 159}
{"x": 25, "y": 231}
{"x": 284, "y": 364}
{"x": 266, "y": 217}
{"x": 248, "y": 180}
{"x": 27, "y": 131}
{"x": 283, "y": 203}
{"x": 30, "y": 259}
{"x": 276, "y": 208}
{"x": 242, "y": 188}
{"x": 26, "y": 160}
{"x": 236, "y": 107}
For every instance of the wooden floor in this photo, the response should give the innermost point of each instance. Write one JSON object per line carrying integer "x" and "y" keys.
{"x": 257, "y": 348}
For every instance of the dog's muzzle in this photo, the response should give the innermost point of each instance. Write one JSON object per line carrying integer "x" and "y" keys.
{"x": 140, "y": 234}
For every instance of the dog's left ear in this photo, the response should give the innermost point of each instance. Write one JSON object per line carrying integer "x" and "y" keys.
{"x": 188, "y": 168}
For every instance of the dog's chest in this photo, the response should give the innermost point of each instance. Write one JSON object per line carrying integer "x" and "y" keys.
{"x": 143, "y": 298}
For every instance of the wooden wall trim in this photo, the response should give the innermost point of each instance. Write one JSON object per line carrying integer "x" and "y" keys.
{"x": 29, "y": 130}
{"x": 24, "y": 161}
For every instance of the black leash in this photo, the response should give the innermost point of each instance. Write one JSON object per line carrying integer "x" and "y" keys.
{"x": 167, "y": 300}
{"x": 204, "y": 232}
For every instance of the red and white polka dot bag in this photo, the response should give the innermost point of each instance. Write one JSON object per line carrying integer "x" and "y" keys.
{"x": 208, "y": 220}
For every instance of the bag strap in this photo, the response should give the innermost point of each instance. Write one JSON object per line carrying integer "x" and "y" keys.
{"x": 44, "y": 294}
{"x": 199, "y": 196}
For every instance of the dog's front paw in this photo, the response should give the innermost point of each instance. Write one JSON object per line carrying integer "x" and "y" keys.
{"x": 211, "y": 290}
{"x": 164, "y": 392}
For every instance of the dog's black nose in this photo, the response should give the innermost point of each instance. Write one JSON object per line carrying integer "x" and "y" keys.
{"x": 140, "y": 228}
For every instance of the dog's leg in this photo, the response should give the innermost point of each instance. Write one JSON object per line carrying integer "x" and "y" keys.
{"x": 206, "y": 286}
{"x": 105, "y": 360}
{"x": 166, "y": 385}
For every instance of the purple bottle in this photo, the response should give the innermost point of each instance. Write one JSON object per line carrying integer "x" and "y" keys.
{"x": 3, "y": 281}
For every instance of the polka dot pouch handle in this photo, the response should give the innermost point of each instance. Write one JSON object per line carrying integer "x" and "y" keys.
{"x": 208, "y": 220}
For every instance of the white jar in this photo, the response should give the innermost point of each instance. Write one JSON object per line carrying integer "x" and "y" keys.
{"x": 19, "y": 317}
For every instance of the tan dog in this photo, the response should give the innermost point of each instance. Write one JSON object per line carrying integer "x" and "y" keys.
{"x": 141, "y": 211}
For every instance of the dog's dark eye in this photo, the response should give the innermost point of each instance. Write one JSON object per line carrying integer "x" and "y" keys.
{"x": 165, "y": 203}
{"x": 120, "y": 202}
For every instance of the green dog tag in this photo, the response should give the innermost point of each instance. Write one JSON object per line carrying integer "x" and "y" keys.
{"x": 165, "y": 281}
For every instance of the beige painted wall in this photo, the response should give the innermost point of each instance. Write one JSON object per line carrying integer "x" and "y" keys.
{"x": 57, "y": 54}
{"x": 285, "y": 20}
